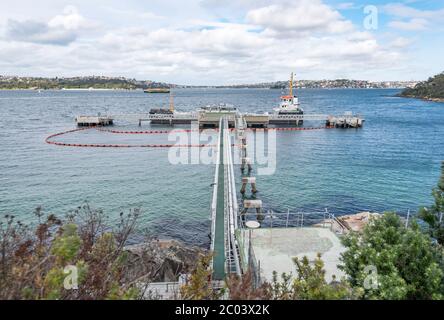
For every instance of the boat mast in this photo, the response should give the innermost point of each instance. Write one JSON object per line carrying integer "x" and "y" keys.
{"x": 291, "y": 85}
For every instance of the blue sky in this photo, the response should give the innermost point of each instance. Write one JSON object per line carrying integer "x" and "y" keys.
{"x": 223, "y": 42}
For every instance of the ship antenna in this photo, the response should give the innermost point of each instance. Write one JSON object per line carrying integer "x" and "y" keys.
{"x": 291, "y": 85}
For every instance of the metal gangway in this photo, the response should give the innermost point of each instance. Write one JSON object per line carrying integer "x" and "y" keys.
{"x": 224, "y": 209}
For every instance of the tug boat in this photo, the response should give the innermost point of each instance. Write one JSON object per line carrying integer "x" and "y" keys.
{"x": 289, "y": 103}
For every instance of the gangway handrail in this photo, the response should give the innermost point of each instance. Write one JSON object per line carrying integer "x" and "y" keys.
{"x": 215, "y": 187}
{"x": 300, "y": 218}
{"x": 322, "y": 117}
{"x": 231, "y": 199}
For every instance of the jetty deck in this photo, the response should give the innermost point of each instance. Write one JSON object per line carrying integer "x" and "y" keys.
{"x": 94, "y": 121}
{"x": 209, "y": 117}
{"x": 276, "y": 247}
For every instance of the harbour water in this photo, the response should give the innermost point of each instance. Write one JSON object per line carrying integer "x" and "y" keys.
{"x": 392, "y": 163}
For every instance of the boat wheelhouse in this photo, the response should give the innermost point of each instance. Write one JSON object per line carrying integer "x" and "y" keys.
{"x": 289, "y": 103}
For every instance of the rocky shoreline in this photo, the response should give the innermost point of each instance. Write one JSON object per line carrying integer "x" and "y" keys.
{"x": 422, "y": 98}
{"x": 161, "y": 260}
{"x": 165, "y": 260}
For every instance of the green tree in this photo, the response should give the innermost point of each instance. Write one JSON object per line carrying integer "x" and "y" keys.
{"x": 309, "y": 284}
{"x": 432, "y": 88}
{"x": 406, "y": 262}
{"x": 199, "y": 286}
{"x": 433, "y": 216}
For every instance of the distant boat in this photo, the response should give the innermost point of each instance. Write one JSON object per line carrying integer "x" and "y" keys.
{"x": 289, "y": 103}
{"x": 157, "y": 90}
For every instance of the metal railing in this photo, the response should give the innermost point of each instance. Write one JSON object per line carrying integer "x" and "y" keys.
{"x": 272, "y": 219}
{"x": 215, "y": 188}
{"x": 158, "y": 116}
{"x": 161, "y": 290}
{"x": 320, "y": 117}
{"x": 231, "y": 206}
{"x": 195, "y": 115}
{"x": 248, "y": 257}
{"x": 224, "y": 170}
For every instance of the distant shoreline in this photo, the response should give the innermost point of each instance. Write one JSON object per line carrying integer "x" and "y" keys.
{"x": 69, "y": 89}
{"x": 197, "y": 87}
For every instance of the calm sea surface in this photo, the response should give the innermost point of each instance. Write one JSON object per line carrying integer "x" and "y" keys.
{"x": 390, "y": 164}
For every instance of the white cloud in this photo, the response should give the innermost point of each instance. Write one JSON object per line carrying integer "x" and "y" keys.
{"x": 403, "y": 11}
{"x": 60, "y": 30}
{"x": 38, "y": 32}
{"x": 230, "y": 53}
{"x": 263, "y": 45}
{"x": 346, "y": 5}
{"x": 144, "y": 15}
{"x": 410, "y": 25}
{"x": 301, "y": 16}
{"x": 411, "y": 19}
{"x": 70, "y": 20}
{"x": 401, "y": 42}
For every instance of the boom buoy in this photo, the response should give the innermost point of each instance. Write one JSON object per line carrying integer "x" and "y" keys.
{"x": 49, "y": 139}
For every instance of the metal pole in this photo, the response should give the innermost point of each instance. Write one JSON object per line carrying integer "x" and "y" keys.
{"x": 407, "y": 220}
{"x": 258, "y": 273}
{"x": 271, "y": 216}
{"x": 325, "y": 216}
{"x": 288, "y": 215}
{"x": 249, "y": 249}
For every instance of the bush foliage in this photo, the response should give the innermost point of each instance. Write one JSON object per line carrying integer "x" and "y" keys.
{"x": 33, "y": 260}
{"x": 433, "y": 88}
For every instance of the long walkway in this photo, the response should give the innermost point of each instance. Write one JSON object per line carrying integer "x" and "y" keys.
{"x": 224, "y": 209}
{"x": 219, "y": 230}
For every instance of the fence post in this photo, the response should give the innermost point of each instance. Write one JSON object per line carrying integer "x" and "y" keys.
{"x": 249, "y": 248}
{"x": 271, "y": 217}
{"x": 325, "y": 217}
{"x": 258, "y": 277}
{"x": 302, "y": 220}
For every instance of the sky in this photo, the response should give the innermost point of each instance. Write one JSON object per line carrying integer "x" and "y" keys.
{"x": 217, "y": 42}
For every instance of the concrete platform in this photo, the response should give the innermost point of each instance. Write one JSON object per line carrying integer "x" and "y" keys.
{"x": 275, "y": 248}
{"x": 93, "y": 121}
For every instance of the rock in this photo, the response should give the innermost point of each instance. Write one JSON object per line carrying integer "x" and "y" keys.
{"x": 357, "y": 222}
{"x": 351, "y": 222}
{"x": 161, "y": 261}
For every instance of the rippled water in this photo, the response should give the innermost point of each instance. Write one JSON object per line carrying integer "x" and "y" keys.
{"x": 390, "y": 164}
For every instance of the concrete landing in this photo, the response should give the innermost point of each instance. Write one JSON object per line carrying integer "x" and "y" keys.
{"x": 275, "y": 249}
